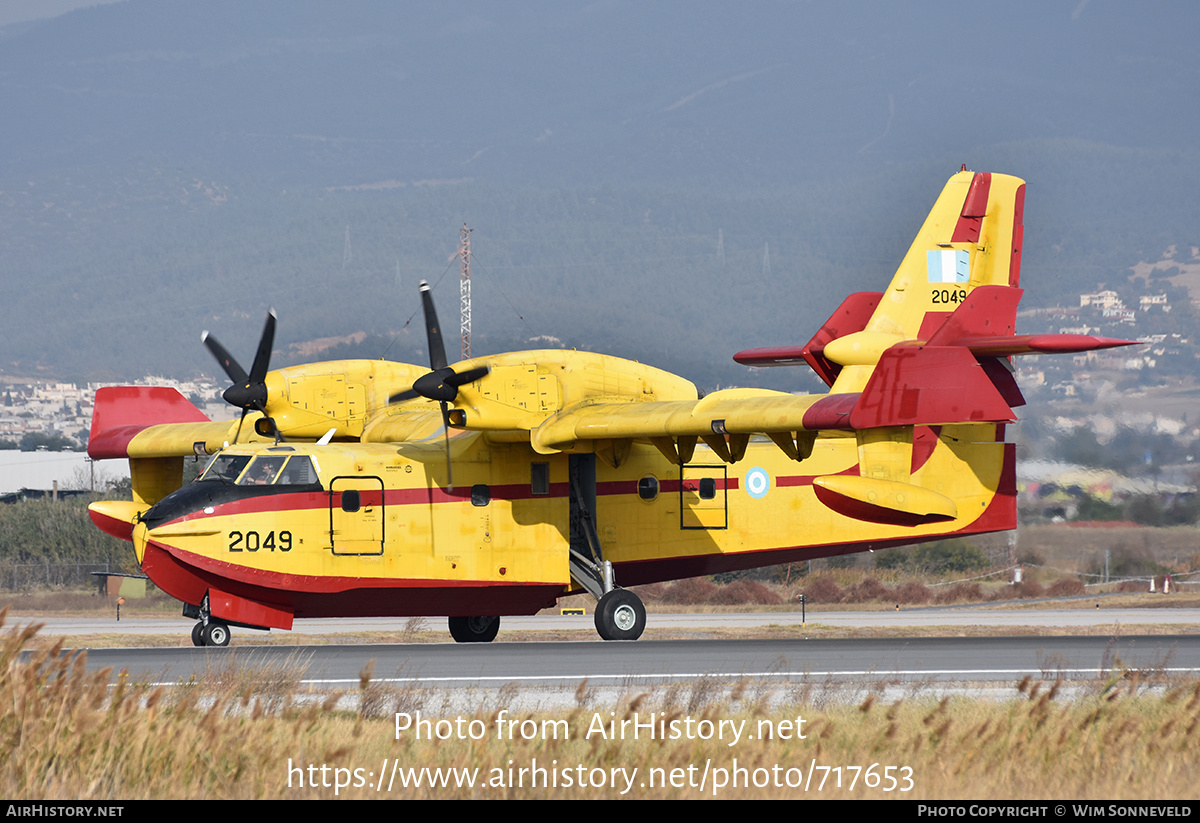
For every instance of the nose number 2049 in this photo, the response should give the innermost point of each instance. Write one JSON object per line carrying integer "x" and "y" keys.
{"x": 254, "y": 541}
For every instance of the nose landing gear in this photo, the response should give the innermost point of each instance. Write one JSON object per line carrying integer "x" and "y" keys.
{"x": 213, "y": 633}
{"x": 209, "y": 631}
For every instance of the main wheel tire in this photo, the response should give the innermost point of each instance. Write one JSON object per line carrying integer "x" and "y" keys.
{"x": 216, "y": 634}
{"x": 620, "y": 615}
{"x": 474, "y": 629}
{"x": 198, "y": 634}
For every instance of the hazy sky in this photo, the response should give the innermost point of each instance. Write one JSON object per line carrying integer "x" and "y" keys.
{"x": 21, "y": 11}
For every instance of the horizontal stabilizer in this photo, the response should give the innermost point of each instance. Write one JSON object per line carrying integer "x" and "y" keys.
{"x": 883, "y": 501}
{"x": 929, "y": 385}
{"x": 772, "y": 356}
{"x": 850, "y": 317}
{"x": 1041, "y": 344}
{"x": 985, "y": 321}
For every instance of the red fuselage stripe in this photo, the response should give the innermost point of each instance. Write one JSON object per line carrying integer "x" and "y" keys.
{"x": 301, "y": 501}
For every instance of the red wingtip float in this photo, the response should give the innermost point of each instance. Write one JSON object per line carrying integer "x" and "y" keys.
{"x": 496, "y": 485}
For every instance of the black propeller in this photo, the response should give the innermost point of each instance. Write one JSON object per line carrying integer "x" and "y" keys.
{"x": 442, "y": 382}
{"x": 249, "y": 391}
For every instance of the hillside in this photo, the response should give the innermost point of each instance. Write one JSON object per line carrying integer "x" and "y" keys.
{"x": 671, "y": 182}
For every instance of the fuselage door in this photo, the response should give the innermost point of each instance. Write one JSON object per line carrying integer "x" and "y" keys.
{"x": 356, "y": 516}
{"x": 702, "y": 503}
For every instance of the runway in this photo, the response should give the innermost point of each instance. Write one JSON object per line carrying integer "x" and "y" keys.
{"x": 907, "y": 618}
{"x": 997, "y": 659}
{"x": 941, "y": 659}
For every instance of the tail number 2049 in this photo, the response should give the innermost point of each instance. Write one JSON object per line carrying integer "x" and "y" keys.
{"x": 949, "y": 295}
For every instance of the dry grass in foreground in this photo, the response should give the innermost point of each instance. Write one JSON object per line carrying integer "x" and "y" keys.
{"x": 69, "y": 734}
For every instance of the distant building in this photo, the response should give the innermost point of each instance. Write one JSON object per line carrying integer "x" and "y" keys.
{"x": 1107, "y": 299}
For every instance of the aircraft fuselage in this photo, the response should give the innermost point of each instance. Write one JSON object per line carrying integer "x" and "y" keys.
{"x": 370, "y": 529}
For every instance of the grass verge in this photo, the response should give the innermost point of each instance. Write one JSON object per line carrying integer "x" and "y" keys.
{"x": 254, "y": 733}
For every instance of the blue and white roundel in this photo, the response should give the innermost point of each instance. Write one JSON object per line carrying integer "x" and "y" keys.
{"x": 758, "y": 483}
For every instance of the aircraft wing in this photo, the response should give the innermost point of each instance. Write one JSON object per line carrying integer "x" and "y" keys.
{"x": 724, "y": 420}
{"x": 732, "y": 411}
{"x": 911, "y": 386}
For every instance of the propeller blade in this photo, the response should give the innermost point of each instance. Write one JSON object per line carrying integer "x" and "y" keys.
{"x": 433, "y": 332}
{"x": 249, "y": 391}
{"x": 457, "y": 379}
{"x": 237, "y": 435}
{"x": 231, "y": 366}
{"x": 262, "y": 358}
{"x": 442, "y": 382}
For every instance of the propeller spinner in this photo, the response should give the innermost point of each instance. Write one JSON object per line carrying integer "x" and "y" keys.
{"x": 249, "y": 391}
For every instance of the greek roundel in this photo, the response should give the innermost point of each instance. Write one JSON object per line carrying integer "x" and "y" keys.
{"x": 758, "y": 483}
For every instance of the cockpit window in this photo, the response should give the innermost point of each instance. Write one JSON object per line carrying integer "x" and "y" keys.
{"x": 299, "y": 471}
{"x": 225, "y": 467}
{"x": 262, "y": 472}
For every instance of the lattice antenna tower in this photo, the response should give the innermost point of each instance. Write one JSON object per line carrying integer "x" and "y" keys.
{"x": 464, "y": 289}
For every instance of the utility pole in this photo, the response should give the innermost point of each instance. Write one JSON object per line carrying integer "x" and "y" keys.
{"x": 464, "y": 289}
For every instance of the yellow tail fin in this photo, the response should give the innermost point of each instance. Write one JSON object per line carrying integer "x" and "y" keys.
{"x": 972, "y": 237}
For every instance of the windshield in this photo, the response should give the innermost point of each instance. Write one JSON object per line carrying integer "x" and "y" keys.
{"x": 264, "y": 470}
{"x": 225, "y": 467}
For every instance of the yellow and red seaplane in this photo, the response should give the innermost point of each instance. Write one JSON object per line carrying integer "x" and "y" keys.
{"x": 496, "y": 485}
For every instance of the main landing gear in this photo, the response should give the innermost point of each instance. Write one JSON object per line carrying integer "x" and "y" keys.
{"x": 474, "y": 629}
{"x": 620, "y": 615}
